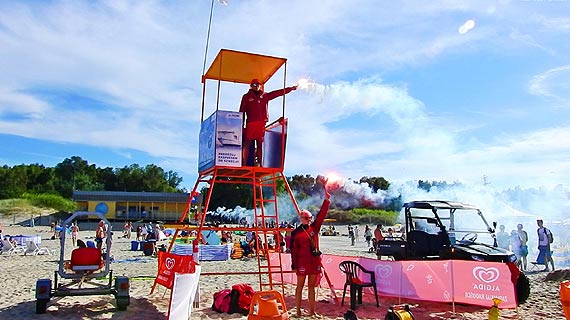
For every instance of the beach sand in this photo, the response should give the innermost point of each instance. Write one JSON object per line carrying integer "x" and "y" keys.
{"x": 19, "y": 273}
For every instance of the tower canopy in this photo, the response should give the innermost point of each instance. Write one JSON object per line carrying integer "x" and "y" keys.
{"x": 242, "y": 67}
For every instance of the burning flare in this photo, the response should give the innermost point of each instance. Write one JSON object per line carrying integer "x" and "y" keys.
{"x": 305, "y": 84}
{"x": 330, "y": 181}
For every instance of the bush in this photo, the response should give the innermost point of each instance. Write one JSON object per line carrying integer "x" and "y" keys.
{"x": 364, "y": 216}
{"x": 50, "y": 201}
{"x": 374, "y": 216}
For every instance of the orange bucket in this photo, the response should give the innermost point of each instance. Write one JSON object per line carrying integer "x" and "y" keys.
{"x": 565, "y": 298}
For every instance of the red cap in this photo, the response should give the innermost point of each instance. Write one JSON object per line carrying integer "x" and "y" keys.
{"x": 255, "y": 81}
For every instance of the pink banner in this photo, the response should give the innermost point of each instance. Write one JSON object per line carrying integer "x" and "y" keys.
{"x": 480, "y": 282}
{"x": 469, "y": 282}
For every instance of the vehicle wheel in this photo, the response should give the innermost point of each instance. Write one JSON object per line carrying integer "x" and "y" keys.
{"x": 41, "y": 306}
{"x": 122, "y": 303}
{"x": 522, "y": 288}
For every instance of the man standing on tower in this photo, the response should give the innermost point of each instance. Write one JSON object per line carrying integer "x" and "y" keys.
{"x": 254, "y": 106}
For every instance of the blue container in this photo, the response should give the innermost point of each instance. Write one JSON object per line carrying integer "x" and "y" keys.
{"x": 272, "y": 155}
{"x": 134, "y": 245}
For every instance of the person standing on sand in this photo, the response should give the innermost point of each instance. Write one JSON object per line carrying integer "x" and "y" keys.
{"x": 305, "y": 254}
{"x": 74, "y": 231}
{"x": 367, "y": 235}
{"x": 351, "y": 234}
{"x": 356, "y": 233}
{"x": 503, "y": 238}
{"x": 524, "y": 247}
{"x": 544, "y": 240}
{"x": 100, "y": 234}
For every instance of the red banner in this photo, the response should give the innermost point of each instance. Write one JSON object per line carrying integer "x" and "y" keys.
{"x": 169, "y": 264}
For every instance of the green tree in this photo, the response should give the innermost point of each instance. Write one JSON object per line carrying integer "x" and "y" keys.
{"x": 75, "y": 174}
{"x": 303, "y": 185}
{"x": 40, "y": 179}
{"x": 16, "y": 181}
{"x": 106, "y": 176}
{"x": 174, "y": 180}
{"x": 13, "y": 182}
{"x": 376, "y": 183}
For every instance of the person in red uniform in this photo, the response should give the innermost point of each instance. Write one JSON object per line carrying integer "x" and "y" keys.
{"x": 254, "y": 106}
{"x": 305, "y": 254}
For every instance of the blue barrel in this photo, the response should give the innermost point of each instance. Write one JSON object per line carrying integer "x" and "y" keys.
{"x": 134, "y": 245}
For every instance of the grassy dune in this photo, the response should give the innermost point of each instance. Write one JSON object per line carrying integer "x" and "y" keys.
{"x": 21, "y": 209}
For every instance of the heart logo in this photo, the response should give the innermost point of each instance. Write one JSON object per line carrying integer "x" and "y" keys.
{"x": 383, "y": 271}
{"x": 486, "y": 275}
{"x": 169, "y": 263}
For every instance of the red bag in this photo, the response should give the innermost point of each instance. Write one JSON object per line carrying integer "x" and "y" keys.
{"x": 222, "y": 301}
{"x": 245, "y": 294}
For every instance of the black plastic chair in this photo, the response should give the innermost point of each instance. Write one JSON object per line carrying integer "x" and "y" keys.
{"x": 352, "y": 270}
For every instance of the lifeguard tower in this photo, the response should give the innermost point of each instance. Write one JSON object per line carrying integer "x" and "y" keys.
{"x": 220, "y": 162}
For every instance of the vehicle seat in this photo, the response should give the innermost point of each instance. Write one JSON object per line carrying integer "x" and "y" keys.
{"x": 86, "y": 259}
{"x": 419, "y": 243}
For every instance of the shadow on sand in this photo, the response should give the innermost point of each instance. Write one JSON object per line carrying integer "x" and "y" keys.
{"x": 97, "y": 307}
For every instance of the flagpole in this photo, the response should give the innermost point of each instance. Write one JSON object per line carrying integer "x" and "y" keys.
{"x": 208, "y": 37}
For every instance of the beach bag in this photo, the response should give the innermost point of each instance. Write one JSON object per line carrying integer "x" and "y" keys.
{"x": 399, "y": 312}
{"x": 222, "y": 301}
{"x": 242, "y": 294}
{"x": 550, "y": 236}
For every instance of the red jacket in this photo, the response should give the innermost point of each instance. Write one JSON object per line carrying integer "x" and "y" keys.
{"x": 300, "y": 242}
{"x": 254, "y": 103}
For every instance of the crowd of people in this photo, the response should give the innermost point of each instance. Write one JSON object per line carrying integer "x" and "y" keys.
{"x": 517, "y": 242}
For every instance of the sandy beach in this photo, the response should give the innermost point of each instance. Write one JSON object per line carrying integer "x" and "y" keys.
{"x": 19, "y": 273}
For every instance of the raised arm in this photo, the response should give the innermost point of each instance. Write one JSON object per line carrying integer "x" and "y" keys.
{"x": 279, "y": 92}
{"x": 322, "y": 213}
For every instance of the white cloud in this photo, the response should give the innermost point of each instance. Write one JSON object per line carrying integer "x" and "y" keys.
{"x": 467, "y": 26}
{"x": 13, "y": 102}
{"x": 554, "y": 84}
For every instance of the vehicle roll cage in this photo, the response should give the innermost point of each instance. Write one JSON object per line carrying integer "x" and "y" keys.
{"x": 434, "y": 206}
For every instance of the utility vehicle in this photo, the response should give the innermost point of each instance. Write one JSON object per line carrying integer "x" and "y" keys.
{"x": 441, "y": 230}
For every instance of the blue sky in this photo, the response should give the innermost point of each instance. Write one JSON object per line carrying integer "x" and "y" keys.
{"x": 398, "y": 91}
